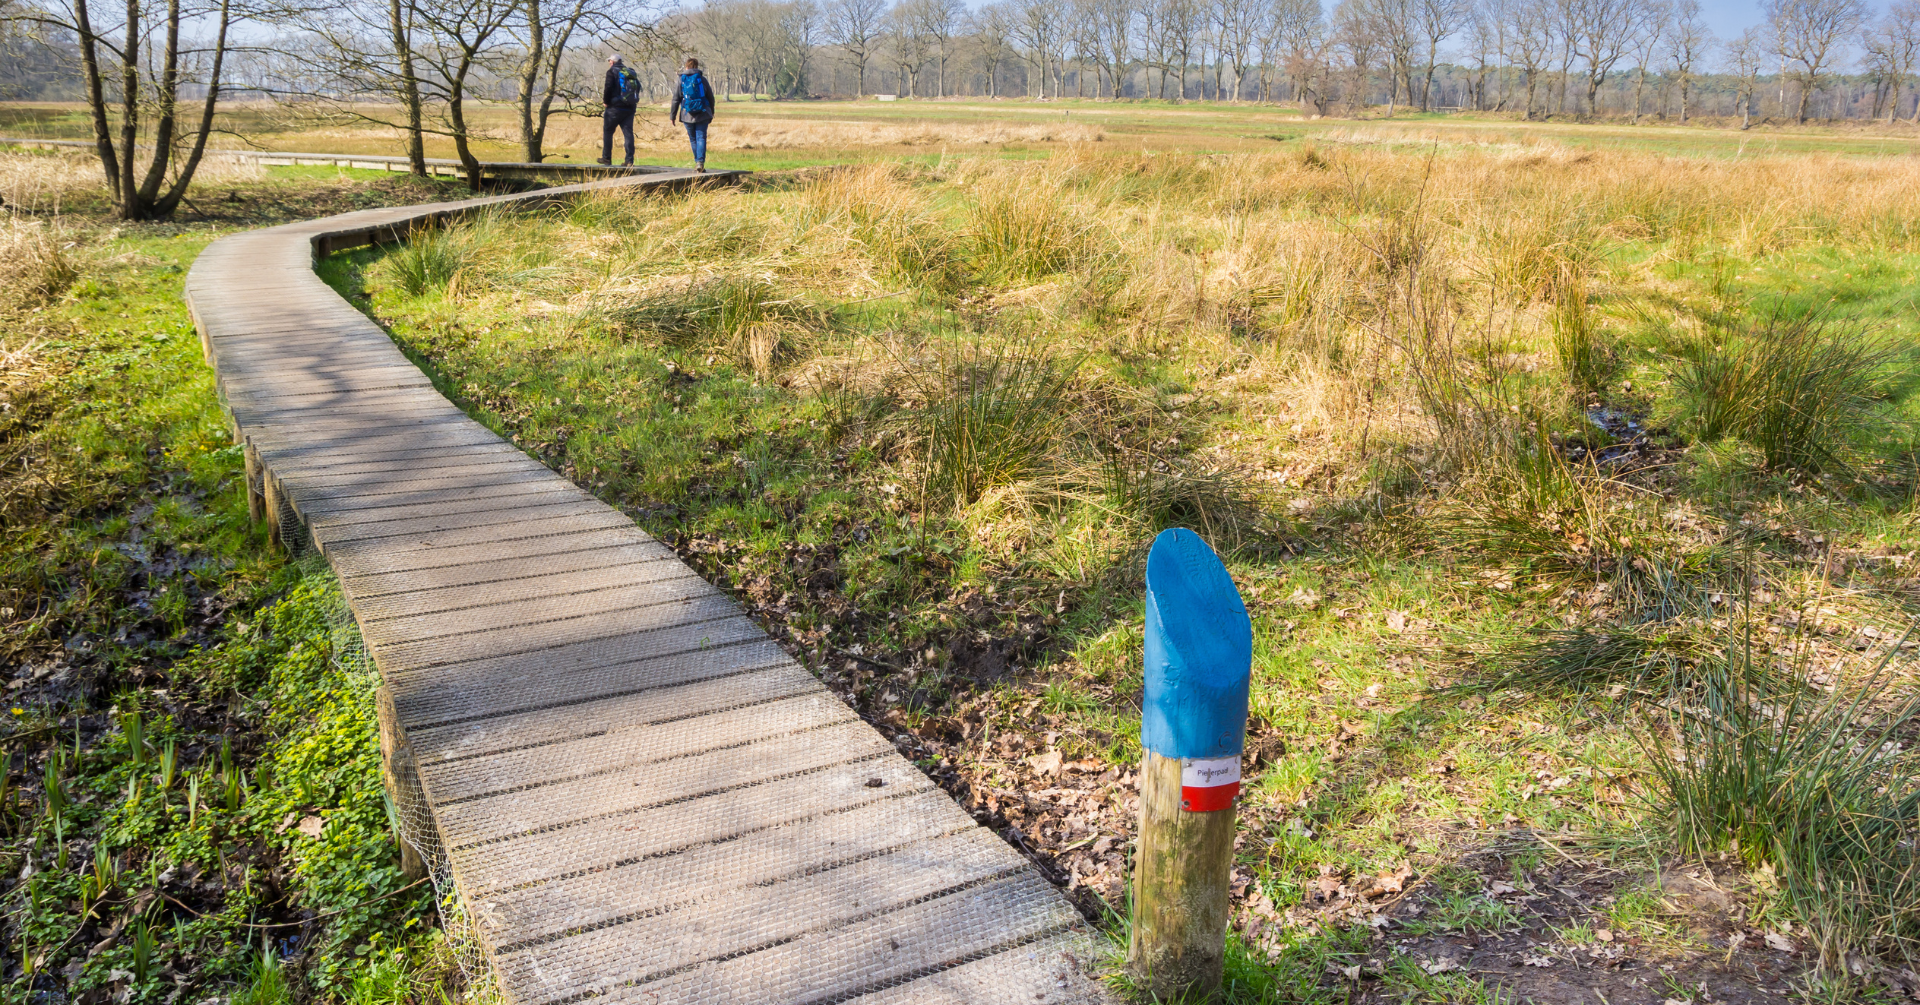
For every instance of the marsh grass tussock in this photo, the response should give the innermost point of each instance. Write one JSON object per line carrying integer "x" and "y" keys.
{"x": 1820, "y": 784}
{"x": 1803, "y": 388}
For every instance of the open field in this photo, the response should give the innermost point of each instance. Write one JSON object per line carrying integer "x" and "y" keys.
{"x": 1548, "y": 457}
{"x": 766, "y": 135}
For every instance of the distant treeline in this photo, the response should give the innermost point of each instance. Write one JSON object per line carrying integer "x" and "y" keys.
{"x": 1830, "y": 59}
{"x": 1823, "y": 59}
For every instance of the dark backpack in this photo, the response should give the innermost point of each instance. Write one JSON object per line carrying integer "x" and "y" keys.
{"x": 629, "y": 87}
{"x": 693, "y": 94}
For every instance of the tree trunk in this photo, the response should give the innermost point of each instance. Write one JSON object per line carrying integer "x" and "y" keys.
{"x": 456, "y": 110}
{"x": 528, "y": 79}
{"x": 409, "y": 89}
{"x": 96, "y": 98}
{"x": 555, "y": 53}
{"x": 129, "y": 107}
{"x": 178, "y": 191}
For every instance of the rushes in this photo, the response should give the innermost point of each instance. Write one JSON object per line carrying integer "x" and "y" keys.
{"x": 429, "y": 260}
{"x": 985, "y": 420}
{"x": 742, "y": 315}
{"x": 1825, "y": 788}
{"x": 897, "y": 227}
{"x": 1587, "y": 362}
{"x": 1023, "y": 230}
{"x": 1800, "y": 388}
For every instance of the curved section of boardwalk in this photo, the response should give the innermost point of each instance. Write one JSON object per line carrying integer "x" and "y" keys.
{"x": 638, "y": 795}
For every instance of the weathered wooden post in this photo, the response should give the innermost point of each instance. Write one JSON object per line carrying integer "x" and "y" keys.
{"x": 1193, "y": 724}
{"x": 401, "y": 776}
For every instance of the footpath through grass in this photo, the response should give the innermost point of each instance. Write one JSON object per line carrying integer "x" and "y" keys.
{"x": 1531, "y": 463}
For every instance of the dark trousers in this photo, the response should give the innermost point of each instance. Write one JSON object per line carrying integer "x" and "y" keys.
{"x": 622, "y": 119}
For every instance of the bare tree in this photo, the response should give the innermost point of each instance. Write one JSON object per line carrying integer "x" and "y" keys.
{"x": 1358, "y": 47}
{"x": 1236, "y": 26}
{"x": 1390, "y": 23}
{"x": 1602, "y": 31}
{"x": 1807, "y": 35}
{"x": 992, "y": 27}
{"x": 1436, "y": 21}
{"x": 909, "y": 46}
{"x": 1483, "y": 47}
{"x": 855, "y": 26}
{"x": 1689, "y": 40}
{"x": 1745, "y": 53}
{"x": 1180, "y": 19}
{"x": 1528, "y": 28}
{"x": 546, "y": 34}
{"x": 939, "y": 21}
{"x": 1292, "y": 41}
{"x": 406, "y": 83}
{"x": 1037, "y": 25}
{"x": 113, "y": 46}
{"x": 1892, "y": 47}
{"x": 464, "y": 38}
{"x": 1112, "y": 22}
{"x": 1649, "y": 31}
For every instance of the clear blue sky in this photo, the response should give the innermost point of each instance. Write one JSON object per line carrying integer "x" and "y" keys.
{"x": 1731, "y": 17}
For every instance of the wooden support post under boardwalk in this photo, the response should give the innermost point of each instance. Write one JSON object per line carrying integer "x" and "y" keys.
{"x": 270, "y": 504}
{"x": 1193, "y": 724}
{"x": 256, "y": 494}
{"x": 400, "y": 776}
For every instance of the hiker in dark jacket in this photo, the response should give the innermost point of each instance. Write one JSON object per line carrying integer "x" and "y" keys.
{"x": 620, "y": 95}
{"x": 693, "y": 105}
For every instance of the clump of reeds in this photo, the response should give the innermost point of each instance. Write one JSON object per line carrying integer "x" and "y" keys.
{"x": 429, "y": 260}
{"x": 1801, "y": 388}
{"x": 738, "y": 314}
{"x": 1584, "y": 356}
{"x": 980, "y": 419}
{"x": 42, "y": 182}
{"x": 896, "y": 225}
{"x": 1525, "y": 505}
{"x": 1023, "y": 228}
{"x": 34, "y": 263}
{"x": 1823, "y": 787}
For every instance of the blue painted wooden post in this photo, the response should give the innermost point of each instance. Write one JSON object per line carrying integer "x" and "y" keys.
{"x": 1193, "y": 724}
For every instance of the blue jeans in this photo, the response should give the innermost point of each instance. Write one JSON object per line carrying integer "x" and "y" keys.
{"x": 697, "y": 135}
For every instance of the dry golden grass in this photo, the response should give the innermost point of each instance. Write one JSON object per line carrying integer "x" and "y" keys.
{"x": 44, "y": 183}
{"x": 1351, "y": 301}
{"x": 652, "y": 131}
{"x": 34, "y": 263}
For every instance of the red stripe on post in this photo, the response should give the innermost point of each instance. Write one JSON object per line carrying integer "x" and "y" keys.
{"x": 1207, "y": 798}
{"x": 1209, "y": 783}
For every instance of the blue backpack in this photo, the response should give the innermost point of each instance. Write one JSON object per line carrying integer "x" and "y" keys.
{"x": 629, "y": 87}
{"x": 694, "y": 93}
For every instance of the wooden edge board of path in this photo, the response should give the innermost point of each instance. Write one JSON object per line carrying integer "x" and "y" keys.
{"x": 637, "y": 795}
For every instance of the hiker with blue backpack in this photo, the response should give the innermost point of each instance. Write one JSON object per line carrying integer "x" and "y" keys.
{"x": 621, "y": 96}
{"x": 693, "y": 106}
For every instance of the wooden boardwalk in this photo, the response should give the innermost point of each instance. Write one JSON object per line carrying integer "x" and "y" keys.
{"x": 635, "y": 793}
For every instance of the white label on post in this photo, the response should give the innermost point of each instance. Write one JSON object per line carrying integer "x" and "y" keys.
{"x": 1208, "y": 772}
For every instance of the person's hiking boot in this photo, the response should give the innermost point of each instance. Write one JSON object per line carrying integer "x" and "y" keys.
{"x": 604, "y": 162}
{"x": 700, "y": 168}
{"x": 626, "y": 164}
